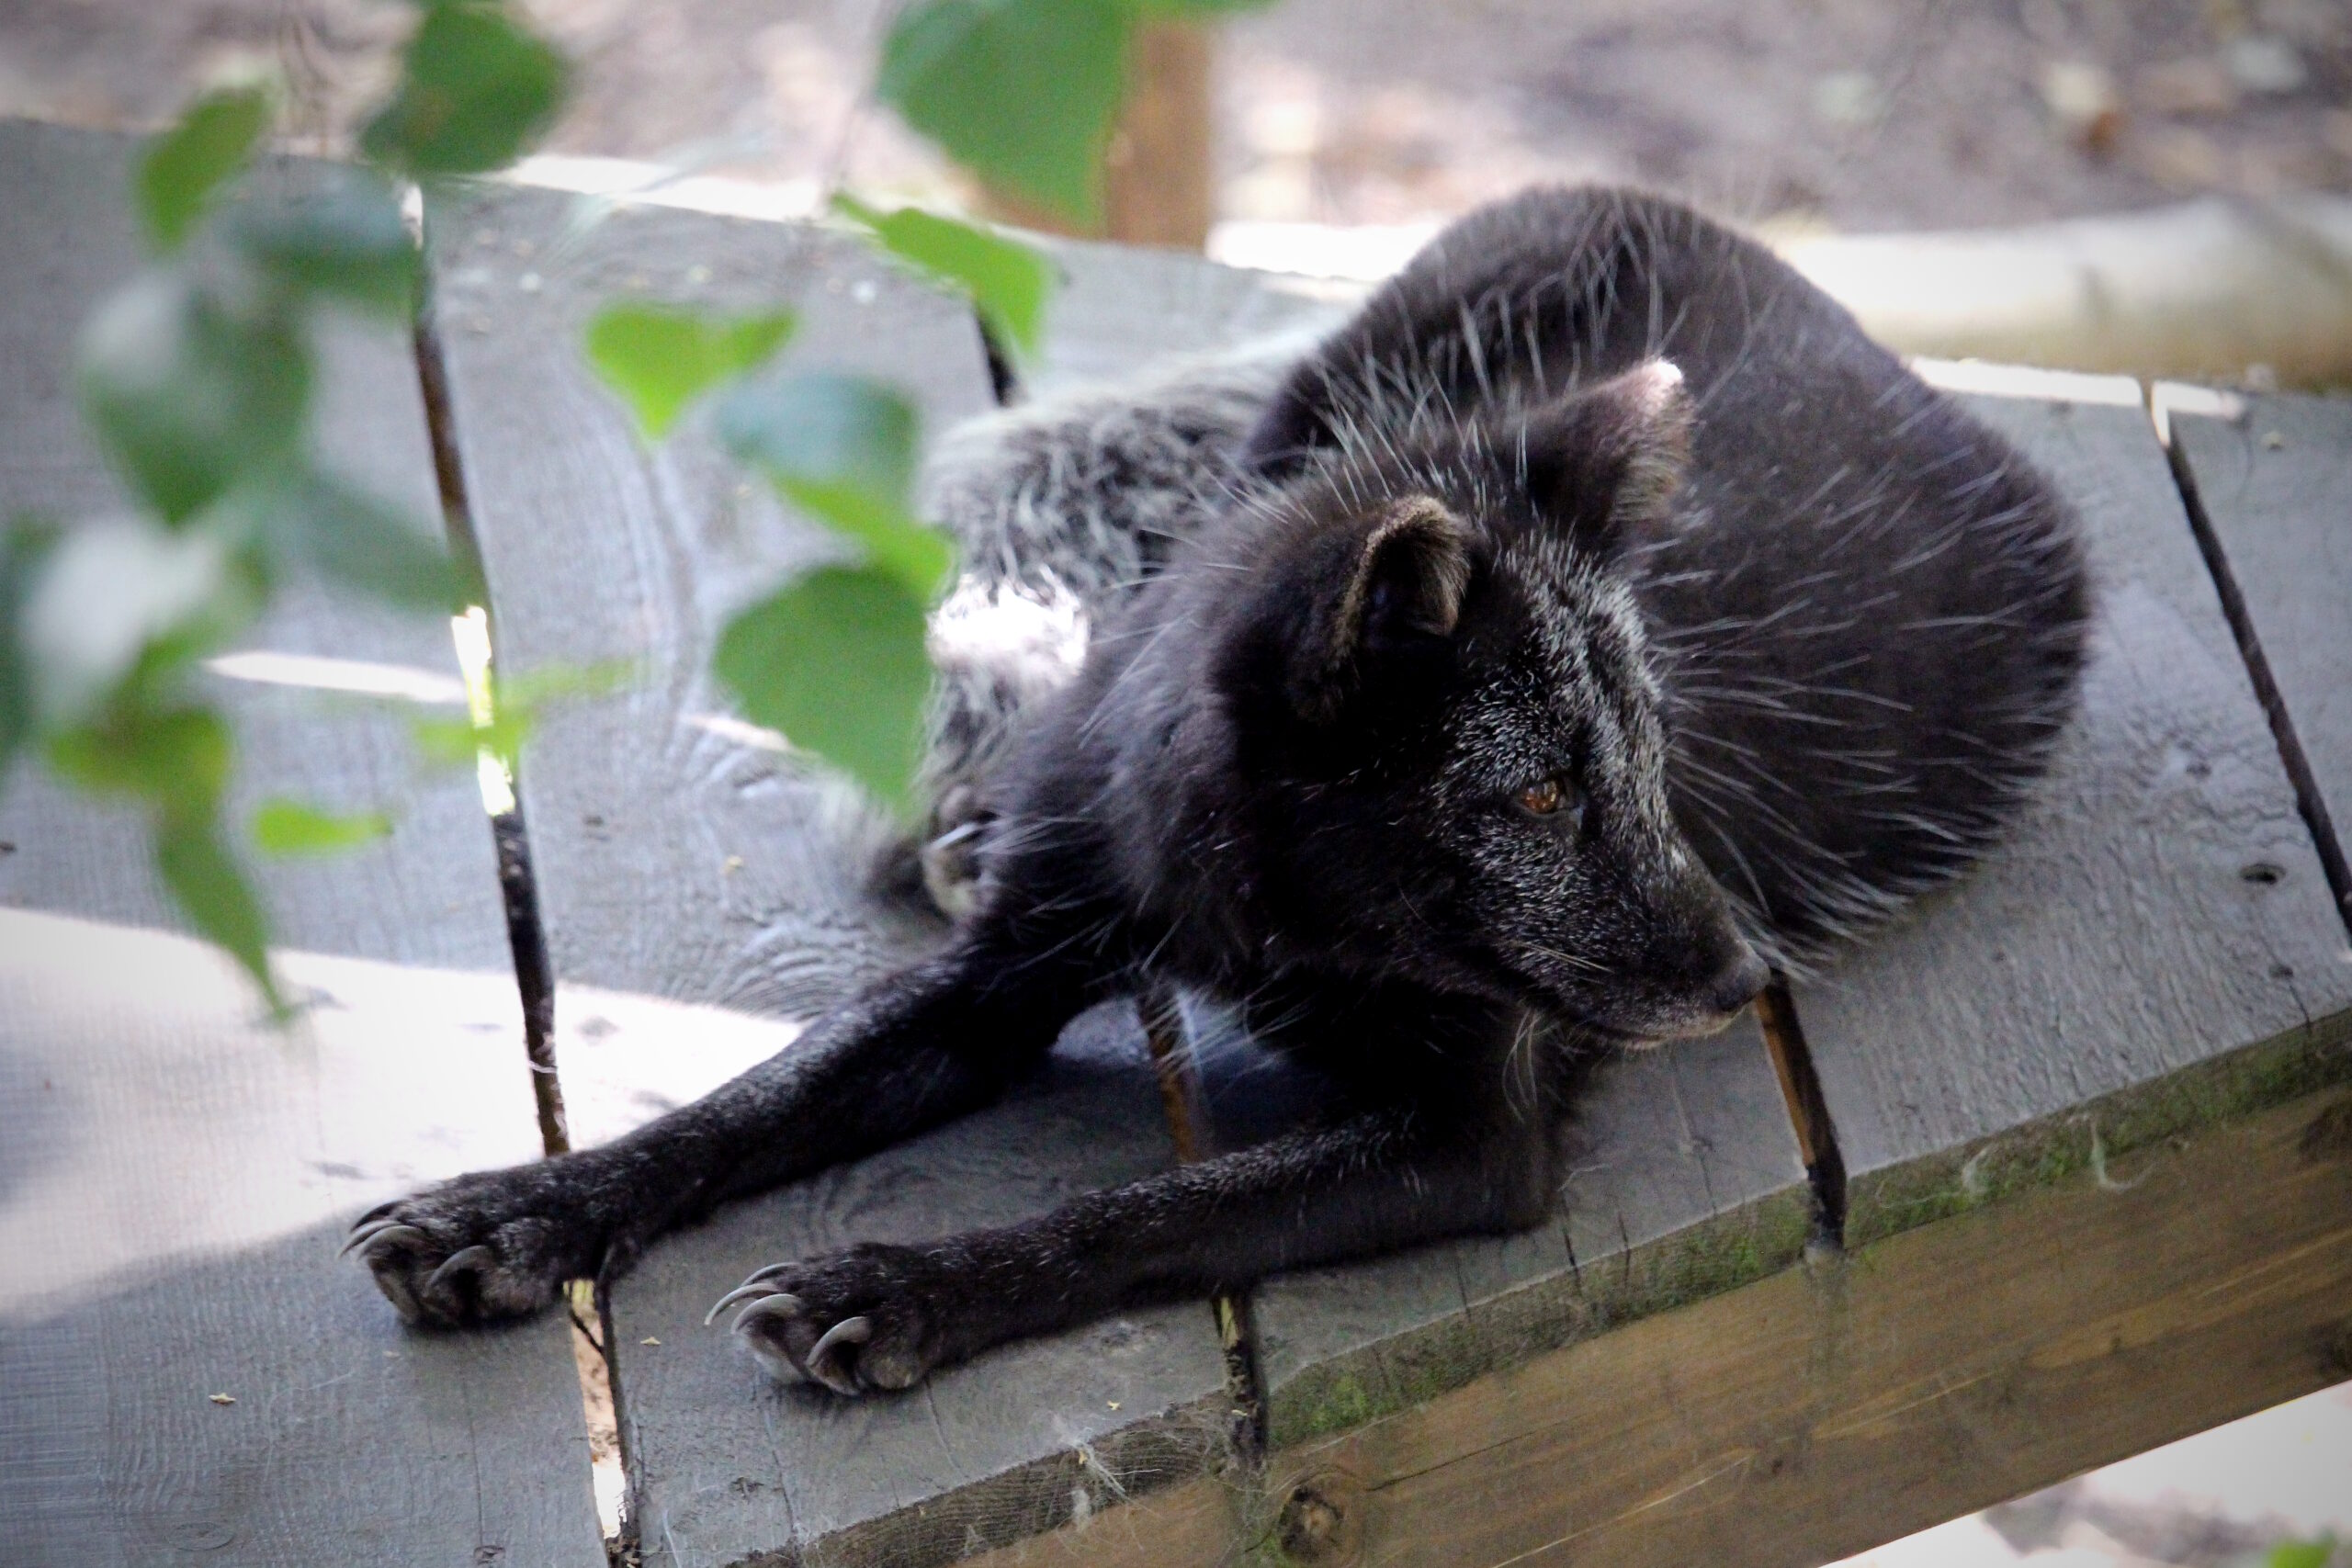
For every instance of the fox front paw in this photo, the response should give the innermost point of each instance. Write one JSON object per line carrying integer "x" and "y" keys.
{"x": 493, "y": 1246}
{"x": 871, "y": 1319}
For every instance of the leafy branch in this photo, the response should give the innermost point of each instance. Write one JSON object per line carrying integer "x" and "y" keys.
{"x": 196, "y": 381}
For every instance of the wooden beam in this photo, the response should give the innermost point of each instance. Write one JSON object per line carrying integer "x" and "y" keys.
{"x": 1831, "y": 1408}
{"x": 1160, "y": 175}
{"x": 2207, "y": 287}
{"x": 1159, "y": 170}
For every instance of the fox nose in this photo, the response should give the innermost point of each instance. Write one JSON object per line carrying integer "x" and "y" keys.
{"x": 1737, "y": 982}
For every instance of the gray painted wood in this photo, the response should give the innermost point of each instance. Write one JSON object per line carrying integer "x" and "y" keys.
{"x": 726, "y": 1464}
{"x": 1683, "y": 1182}
{"x": 173, "y": 1191}
{"x": 177, "y": 1176}
{"x": 2151, "y": 948}
{"x": 1118, "y": 310}
{"x": 2276, "y": 485}
{"x": 696, "y": 885}
{"x": 1687, "y": 1178}
{"x": 70, "y": 239}
{"x": 678, "y": 854}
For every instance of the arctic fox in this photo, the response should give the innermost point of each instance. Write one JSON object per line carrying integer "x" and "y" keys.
{"x": 1595, "y": 618}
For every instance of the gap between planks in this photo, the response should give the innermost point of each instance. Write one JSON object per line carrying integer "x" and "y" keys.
{"x": 1808, "y": 1111}
{"x": 1810, "y": 1414}
{"x": 1190, "y": 1130}
{"x": 1777, "y": 1014}
{"x": 526, "y": 935}
{"x": 525, "y": 931}
{"x": 2296, "y": 761}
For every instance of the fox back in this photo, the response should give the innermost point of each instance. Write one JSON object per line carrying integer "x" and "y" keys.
{"x": 1599, "y": 595}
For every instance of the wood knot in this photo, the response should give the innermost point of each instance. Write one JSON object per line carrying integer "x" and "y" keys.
{"x": 2330, "y": 1134}
{"x": 1310, "y": 1525}
{"x": 2336, "y": 1350}
{"x": 1320, "y": 1522}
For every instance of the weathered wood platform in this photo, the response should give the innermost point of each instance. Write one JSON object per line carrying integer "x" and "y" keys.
{"x": 176, "y": 1176}
{"x": 2058, "y": 1170}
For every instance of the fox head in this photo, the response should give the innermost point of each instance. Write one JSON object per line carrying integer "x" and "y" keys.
{"x": 1446, "y": 739}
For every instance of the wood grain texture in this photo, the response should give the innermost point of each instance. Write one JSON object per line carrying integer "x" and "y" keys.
{"x": 694, "y": 884}
{"x": 1118, "y": 312}
{"x": 1683, "y": 1182}
{"x": 1196, "y": 1525}
{"x": 2276, "y": 486}
{"x": 678, "y": 854}
{"x": 1824, "y": 1410}
{"x": 175, "y": 1188}
{"x": 1686, "y": 1178}
{"x": 726, "y": 1465}
{"x": 176, "y": 1176}
{"x": 2151, "y": 948}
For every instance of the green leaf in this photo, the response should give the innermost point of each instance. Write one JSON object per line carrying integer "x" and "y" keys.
{"x": 2302, "y": 1553}
{"x": 450, "y": 742}
{"x": 836, "y": 663}
{"x": 339, "y": 237}
{"x": 110, "y": 594}
{"x": 518, "y": 704}
{"x": 1023, "y": 92}
{"x": 284, "y": 827}
{"x": 183, "y": 168}
{"x": 842, "y": 448}
{"x": 25, "y": 545}
{"x": 350, "y": 537}
{"x": 177, "y": 758}
{"x": 186, "y": 395}
{"x": 661, "y": 358}
{"x": 1180, "y": 10}
{"x": 212, "y": 889}
{"x": 1007, "y": 282}
{"x": 535, "y": 689}
{"x": 477, "y": 88}
{"x": 457, "y": 742}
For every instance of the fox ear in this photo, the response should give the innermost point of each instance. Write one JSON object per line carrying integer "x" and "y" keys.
{"x": 1394, "y": 581}
{"x": 1603, "y": 461}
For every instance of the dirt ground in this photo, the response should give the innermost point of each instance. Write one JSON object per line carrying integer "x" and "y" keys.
{"x": 1864, "y": 114}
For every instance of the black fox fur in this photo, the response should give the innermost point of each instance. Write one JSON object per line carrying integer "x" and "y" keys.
{"x": 1595, "y": 614}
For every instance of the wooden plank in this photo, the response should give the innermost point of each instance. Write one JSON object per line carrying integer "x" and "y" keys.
{"x": 679, "y": 862}
{"x": 677, "y": 853}
{"x": 177, "y": 1185}
{"x": 1119, "y": 311}
{"x": 1684, "y": 1181}
{"x": 1687, "y": 1176}
{"x": 2275, "y": 483}
{"x": 178, "y": 1176}
{"x": 2151, "y": 948}
{"x": 1826, "y": 1409}
{"x": 724, "y": 1465}
{"x": 1194, "y": 1523}
{"x": 69, "y": 241}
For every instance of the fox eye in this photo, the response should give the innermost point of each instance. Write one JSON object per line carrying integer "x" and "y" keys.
{"x": 1551, "y": 797}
